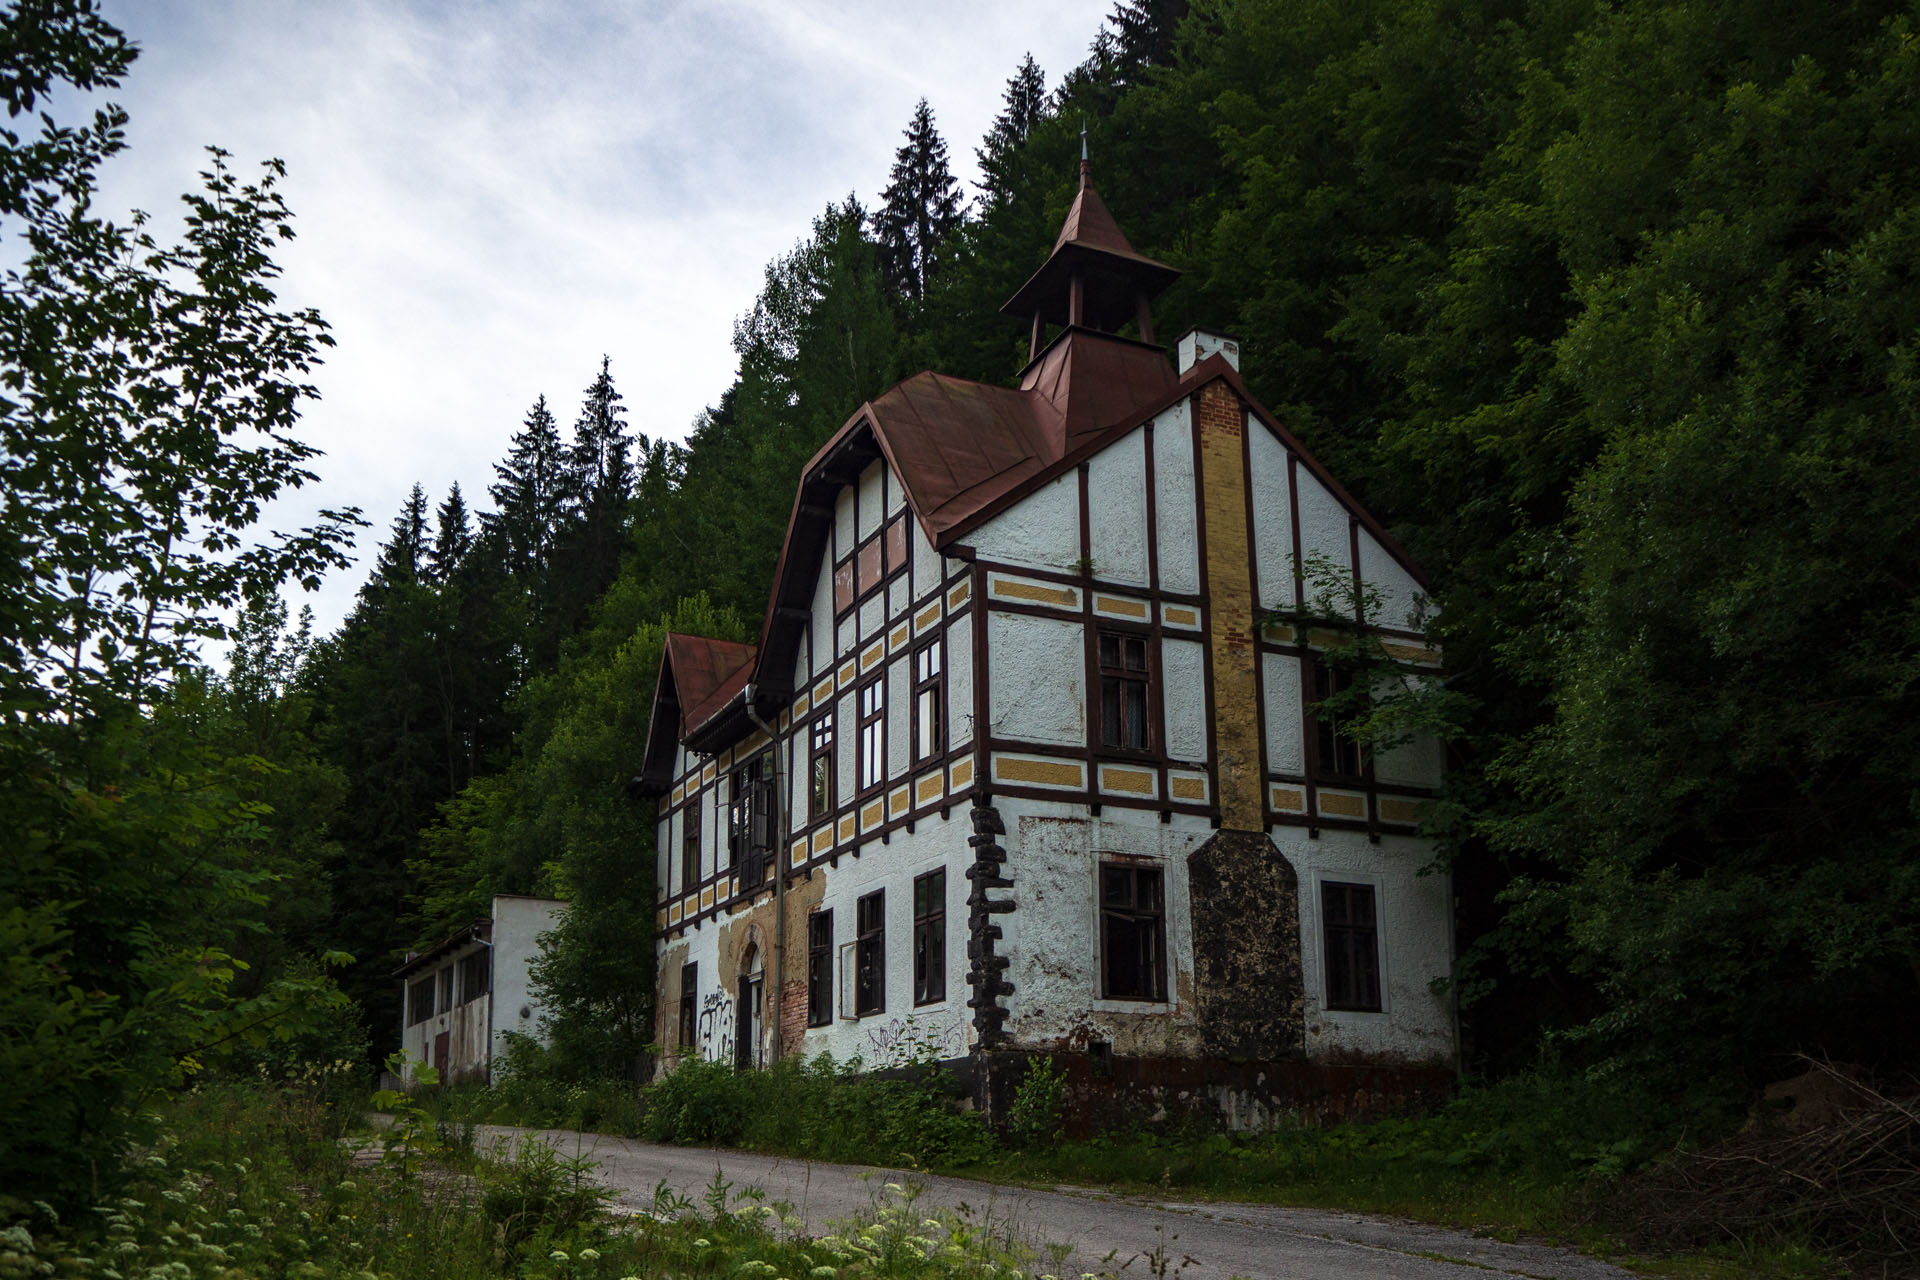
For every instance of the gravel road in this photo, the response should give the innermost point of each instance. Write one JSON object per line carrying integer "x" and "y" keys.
{"x": 1212, "y": 1241}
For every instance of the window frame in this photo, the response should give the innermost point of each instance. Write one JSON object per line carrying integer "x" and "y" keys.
{"x": 870, "y": 954}
{"x": 875, "y": 721}
{"x": 928, "y": 690}
{"x": 469, "y": 964}
{"x": 822, "y": 750}
{"x": 1148, "y": 678}
{"x": 416, "y": 1014}
{"x": 750, "y": 821}
{"x": 1134, "y": 915}
{"x": 891, "y": 548}
{"x": 930, "y": 937}
{"x": 1326, "y": 680}
{"x": 690, "y": 852}
{"x": 1357, "y": 939}
{"x": 689, "y": 1004}
{"x": 820, "y": 968}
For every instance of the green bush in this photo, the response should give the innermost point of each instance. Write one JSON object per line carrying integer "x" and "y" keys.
{"x": 1038, "y": 1113}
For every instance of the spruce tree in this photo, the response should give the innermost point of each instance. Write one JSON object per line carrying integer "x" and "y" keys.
{"x": 453, "y": 536}
{"x": 528, "y": 499}
{"x": 400, "y": 555}
{"x": 920, "y": 209}
{"x": 1023, "y": 105}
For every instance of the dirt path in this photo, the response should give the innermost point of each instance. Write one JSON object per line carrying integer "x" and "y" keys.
{"x": 1200, "y": 1241}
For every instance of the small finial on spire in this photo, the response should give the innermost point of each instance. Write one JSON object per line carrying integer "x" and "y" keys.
{"x": 1086, "y": 168}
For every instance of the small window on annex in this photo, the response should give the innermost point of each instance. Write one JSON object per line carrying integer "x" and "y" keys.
{"x": 1125, "y": 689}
{"x": 474, "y": 972}
{"x": 1350, "y": 932}
{"x": 820, "y": 797}
{"x": 870, "y": 954}
{"x": 689, "y": 1002}
{"x": 929, "y": 735}
{"x": 820, "y": 968}
{"x": 930, "y": 937}
{"x": 420, "y": 1001}
{"x": 1132, "y": 933}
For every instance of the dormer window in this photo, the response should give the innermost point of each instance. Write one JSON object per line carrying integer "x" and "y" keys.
{"x": 871, "y": 564}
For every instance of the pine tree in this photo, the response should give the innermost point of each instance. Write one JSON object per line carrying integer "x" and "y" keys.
{"x": 920, "y": 210}
{"x": 1023, "y": 105}
{"x": 401, "y": 554}
{"x": 599, "y": 473}
{"x": 1144, "y": 33}
{"x": 453, "y": 536}
{"x": 529, "y": 497}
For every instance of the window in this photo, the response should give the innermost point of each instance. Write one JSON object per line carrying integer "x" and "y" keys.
{"x": 930, "y": 937}
{"x": 873, "y": 737}
{"x": 1132, "y": 933}
{"x": 820, "y": 968}
{"x": 1338, "y": 753}
{"x": 690, "y": 845}
{"x": 929, "y": 737}
{"x": 443, "y": 990}
{"x": 420, "y": 1001}
{"x": 872, "y": 563}
{"x": 870, "y": 954}
{"x": 1123, "y": 691}
{"x": 1352, "y": 937}
{"x": 820, "y": 795}
{"x": 474, "y": 971}
{"x": 689, "y": 1009}
{"x": 750, "y": 820}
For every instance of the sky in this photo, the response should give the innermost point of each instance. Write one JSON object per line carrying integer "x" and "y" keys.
{"x": 489, "y": 196}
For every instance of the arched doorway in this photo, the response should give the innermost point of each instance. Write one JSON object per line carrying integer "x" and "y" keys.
{"x": 748, "y": 1018}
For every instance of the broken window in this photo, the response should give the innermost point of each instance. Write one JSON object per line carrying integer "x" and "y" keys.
{"x": 930, "y": 937}
{"x": 1132, "y": 933}
{"x": 1124, "y": 687}
{"x": 690, "y": 845}
{"x": 1352, "y": 939}
{"x": 873, "y": 738}
{"x": 1338, "y": 753}
{"x": 870, "y": 954}
{"x": 929, "y": 738}
{"x": 820, "y": 768}
{"x": 689, "y": 1006}
{"x": 862, "y": 570}
{"x": 750, "y": 821}
{"x": 820, "y": 968}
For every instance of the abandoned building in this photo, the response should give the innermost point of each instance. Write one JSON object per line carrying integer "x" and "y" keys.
{"x": 461, "y": 998}
{"x": 1027, "y": 758}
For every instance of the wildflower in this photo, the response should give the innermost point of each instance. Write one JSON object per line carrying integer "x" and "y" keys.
{"x": 823, "y": 1273}
{"x": 558, "y": 1255}
{"x": 703, "y": 1243}
{"x": 589, "y": 1255}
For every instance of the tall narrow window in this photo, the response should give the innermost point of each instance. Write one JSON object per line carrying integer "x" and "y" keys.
{"x": 690, "y": 844}
{"x": 820, "y": 768}
{"x": 820, "y": 968}
{"x": 873, "y": 735}
{"x": 1338, "y": 753}
{"x": 1124, "y": 687}
{"x": 750, "y": 820}
{"x": 870, "y": 954}
{"x": 930, "y": 937}
{"x": 929, "y": 735}
{"x": 1132, "y": 933}
{"x": 474, "y": 972}
{"x": 689, "y": 1007}
{"x": 420, "y": 1001}
{"x": 1352, "y": 937}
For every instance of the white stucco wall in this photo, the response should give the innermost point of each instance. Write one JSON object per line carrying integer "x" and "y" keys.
{"x": 871, "y": 499}
{"x": 1324, "y": 534}
{"x": 1178, "y": 546}
{"x": 1116, "y": 510}
{"x": 1037, "y": 678}
{"x": 1397, "y": 596}
{"x": 1183, "y": 670}
{"x": 518, "y": 923}
{"x": 1041, "y": 530}
{"x": 1285, "y": 718}
{"x": 1272, "y": 516}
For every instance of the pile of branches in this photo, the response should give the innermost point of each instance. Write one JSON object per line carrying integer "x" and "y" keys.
{"x": 1845, "y": 1181}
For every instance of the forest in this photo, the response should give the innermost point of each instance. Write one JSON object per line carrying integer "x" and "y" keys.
{"x": 1609, "y": 311}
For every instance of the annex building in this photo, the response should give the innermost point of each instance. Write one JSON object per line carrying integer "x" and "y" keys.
{"x": 1023, "y": 761}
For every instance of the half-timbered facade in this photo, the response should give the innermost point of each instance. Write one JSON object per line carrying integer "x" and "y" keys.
{"x": 1023, "y": 762}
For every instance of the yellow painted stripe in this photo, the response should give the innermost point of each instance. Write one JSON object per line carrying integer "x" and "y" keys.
{"x": 1182, "y": 617}
{"x": 1054, "y": 773}
{"x": 928, "y": 616}
{"x": 961, "y": 774}
{"x": 1187, "y": 788}
{"x": 1289, "y": 800}
{"x": 958, "y": 596}
{"x": 1343, "y": 806}
{"x": 1122, "y": 608}
{"x": 1015, "y": 590}
{"x": 898, "y": 802}
{"x": 928, "y": 788}
{"x": 1393, "y": 809}
{"x": 1132, "y": 781}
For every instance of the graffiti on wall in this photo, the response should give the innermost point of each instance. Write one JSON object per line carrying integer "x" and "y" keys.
{"x": 900, "y": 1042}
{"x": 716, "y": 1027}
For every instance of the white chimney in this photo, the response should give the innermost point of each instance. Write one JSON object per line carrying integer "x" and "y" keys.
{"x": 1197, "y": 344}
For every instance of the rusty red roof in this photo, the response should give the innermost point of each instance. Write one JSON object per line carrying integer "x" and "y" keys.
{"x": 706, "y": 674}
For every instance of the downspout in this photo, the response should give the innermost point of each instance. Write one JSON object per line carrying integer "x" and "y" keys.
{"x": 779, "y": 853}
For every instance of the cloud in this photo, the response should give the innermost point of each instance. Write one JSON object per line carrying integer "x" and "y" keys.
{"x": 490, "y": 196}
